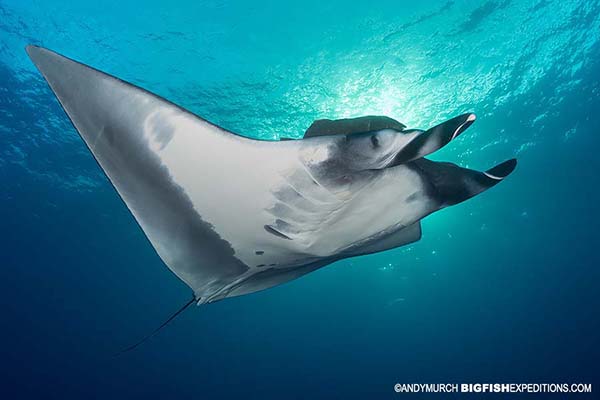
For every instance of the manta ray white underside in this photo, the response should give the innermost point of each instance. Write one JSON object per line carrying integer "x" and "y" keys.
{"x": 230, "y": 215}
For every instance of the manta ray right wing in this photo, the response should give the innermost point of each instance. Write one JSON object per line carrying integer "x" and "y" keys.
{"x": 402, "y": 237}
{"x": 369, "y": 123}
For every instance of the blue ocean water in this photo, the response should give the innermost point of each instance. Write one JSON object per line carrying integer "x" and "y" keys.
{"x": 502, "y": 288}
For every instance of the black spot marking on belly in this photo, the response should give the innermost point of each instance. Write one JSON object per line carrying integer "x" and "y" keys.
{"x": 275, "y": 232}
{"x": 259, "y": 252}
{"x": 260, "y": 265}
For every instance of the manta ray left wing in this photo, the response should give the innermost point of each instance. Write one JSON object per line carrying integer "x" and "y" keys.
{"x": 345, "y": 126}
{"x": 168, "y": 166}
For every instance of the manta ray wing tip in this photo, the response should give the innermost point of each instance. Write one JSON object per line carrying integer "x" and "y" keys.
{"x": 40, "y": 55}
{"x": 32, "y": 50}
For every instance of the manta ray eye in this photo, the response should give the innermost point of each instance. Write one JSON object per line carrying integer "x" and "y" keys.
{"x": 375, "y": 141}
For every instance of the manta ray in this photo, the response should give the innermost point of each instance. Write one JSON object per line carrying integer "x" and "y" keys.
{"x": 231, "y": 215}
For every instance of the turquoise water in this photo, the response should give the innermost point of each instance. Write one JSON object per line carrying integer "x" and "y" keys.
{"x": 502, "y": 288}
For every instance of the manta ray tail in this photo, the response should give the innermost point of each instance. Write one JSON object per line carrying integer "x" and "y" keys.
{"x": 450, "y": 184}
{"x": 154, "y": 332}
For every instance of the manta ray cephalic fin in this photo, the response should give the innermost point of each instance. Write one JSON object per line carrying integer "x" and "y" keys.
{"x": 450, "y": 184}
{"x": 433, "y": 139}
